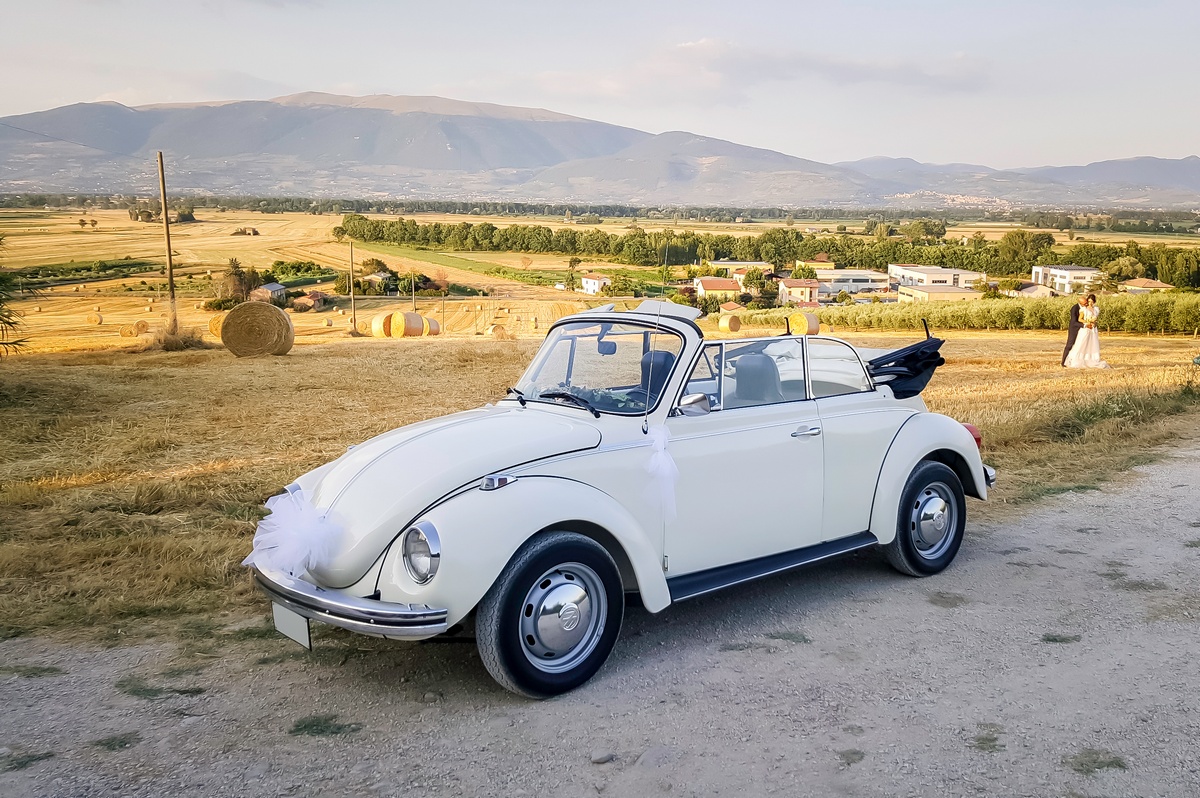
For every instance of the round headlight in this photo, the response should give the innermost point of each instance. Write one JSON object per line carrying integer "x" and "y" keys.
{"x": 422, "y": 552}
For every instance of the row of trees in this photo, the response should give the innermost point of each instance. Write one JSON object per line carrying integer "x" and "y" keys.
{"x": 1134, "y": 313}
{"x": 1016, "y": 253}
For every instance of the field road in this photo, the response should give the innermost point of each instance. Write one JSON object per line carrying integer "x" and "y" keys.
{"x": 1058, "y": 656}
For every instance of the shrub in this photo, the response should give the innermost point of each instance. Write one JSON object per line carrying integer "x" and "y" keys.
{"x": 222, "y": 304}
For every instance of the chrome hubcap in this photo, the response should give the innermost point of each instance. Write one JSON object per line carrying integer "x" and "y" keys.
{"x": 563, "y": 617}
{"x": 933, "y": 520}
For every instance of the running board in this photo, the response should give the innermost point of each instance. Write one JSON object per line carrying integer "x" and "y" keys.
{"x": 697, "y": 584}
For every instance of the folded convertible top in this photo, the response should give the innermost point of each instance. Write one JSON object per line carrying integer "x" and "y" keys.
{"x": 907, "y": 371}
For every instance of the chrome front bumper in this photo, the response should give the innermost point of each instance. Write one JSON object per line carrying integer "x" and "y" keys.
{"x": 989, "y": 475}
{"x": 363, "y": 615}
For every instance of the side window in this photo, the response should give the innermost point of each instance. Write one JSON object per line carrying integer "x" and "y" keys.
{"x": 764, "y": 373}
{"x": 835, "y": 369}
{"x": 706, "y": 376}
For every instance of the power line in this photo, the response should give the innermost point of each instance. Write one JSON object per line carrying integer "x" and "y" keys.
{"x": 69, "y": 141}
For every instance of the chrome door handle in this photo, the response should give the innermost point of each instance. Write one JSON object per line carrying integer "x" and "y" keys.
{"x": 806, "y": 433}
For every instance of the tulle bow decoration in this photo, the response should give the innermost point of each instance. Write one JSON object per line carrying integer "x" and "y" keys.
{"x": 294, "y": 537}
{"x": 662, "y": 470}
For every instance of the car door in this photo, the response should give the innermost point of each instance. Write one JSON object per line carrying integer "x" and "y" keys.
{"x": 858, "y": 425}
{"x": 750, "y": 471}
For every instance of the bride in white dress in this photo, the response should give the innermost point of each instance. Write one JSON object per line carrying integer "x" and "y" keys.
{"x": 1085, "y": 354}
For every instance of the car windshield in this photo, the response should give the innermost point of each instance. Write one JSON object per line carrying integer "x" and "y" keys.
{"x": 613, "y": 367}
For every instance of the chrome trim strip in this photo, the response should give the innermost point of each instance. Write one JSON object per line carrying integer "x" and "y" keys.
{"x": 362, "y": 615}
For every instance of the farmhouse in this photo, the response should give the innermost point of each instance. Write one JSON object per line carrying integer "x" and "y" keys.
{"x": 594, "y": 283}
{"x": 1143, "y": 285}
{"x": 793, "y": 291}
{"x": 271, "y": 292}
{"x": 834, "y": 281}
{"x": 736, "y": 269}
{"x": 912, "y": 274}
{"x": 937, "y": 293}
{"x": 1030, "y": 290}
{"x": 1067, "y": 278}
{"x": 722, "y": 287}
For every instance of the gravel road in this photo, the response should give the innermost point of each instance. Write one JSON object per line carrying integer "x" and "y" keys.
{"x": 1057, "y": 657}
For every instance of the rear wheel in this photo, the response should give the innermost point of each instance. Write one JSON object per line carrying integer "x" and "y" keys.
{"x": 930, "y": 522}
{"x": 552, "y": 617}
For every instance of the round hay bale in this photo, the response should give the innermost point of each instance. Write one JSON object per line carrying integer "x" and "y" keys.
{"x": 214, "y": 324}
{"x": 496, "y": 331}
{"x": 198, "y": 305}
{"x": 381, "y": 325}
{"x": 730, "y": 324}
{"x": 257, "y": 328}
{"x": 362, "y": 329}
{"x": 341, "y": 311}
{"x": 141, "y": 326}
{"x": 147, "y": 309}
{"x": 407, "y": 324}
{"x": 328, "y": 322}
{"x": 127, "y": 331}
{"x": 37, "y": 308}
{"x": 804, "y": 323}
{"x": 96, "y": 308}
{"x": 95, "y": 318}
{"x": 75, "y": 289}
{"x": 150, "y": 300}
{"x": 434, "y": 327}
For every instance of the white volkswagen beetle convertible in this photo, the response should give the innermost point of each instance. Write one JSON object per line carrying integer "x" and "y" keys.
{"x": 606, "y": 472}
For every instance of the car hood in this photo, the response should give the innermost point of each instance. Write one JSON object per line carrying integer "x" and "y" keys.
{"x": 377, "y": 488}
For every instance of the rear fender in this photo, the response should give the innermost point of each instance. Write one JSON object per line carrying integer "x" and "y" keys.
{"x": 480, "y": 531}
{"x": 925, "y": 436}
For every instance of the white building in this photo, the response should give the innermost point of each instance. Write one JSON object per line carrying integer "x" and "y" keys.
{"x": 593, "y": 283}
{"x": 912, "y": 274}
{"x": 834, "y": 281}
{"x": 1067, "y": 278}
{"x": 798, "y": 291}
{"x": 936, "y": 293}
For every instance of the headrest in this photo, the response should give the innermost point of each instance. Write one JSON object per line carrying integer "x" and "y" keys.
{"x": 757, "y": 378}
{"x": 656, "y": 367}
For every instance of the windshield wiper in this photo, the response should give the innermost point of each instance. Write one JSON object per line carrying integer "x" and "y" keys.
{"x": 514, "y": 392}
{"x": 579, "y": 400}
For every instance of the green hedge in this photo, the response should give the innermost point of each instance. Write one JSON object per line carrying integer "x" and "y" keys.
{"x": 1143, "y": 313}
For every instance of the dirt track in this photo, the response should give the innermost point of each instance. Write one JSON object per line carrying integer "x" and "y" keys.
{"x": 840, "y": 680}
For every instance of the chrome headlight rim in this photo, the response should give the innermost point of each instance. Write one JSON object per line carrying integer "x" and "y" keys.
{"x": 421, "y": 538}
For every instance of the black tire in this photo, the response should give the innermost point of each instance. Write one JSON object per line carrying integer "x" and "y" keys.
{"x": 932, "y": 502}
{"x": 526, "y": 624}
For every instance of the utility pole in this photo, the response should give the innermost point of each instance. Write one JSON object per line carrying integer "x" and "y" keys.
{"x": 172, "y": 313}
{"x": 412, "y": 279}
{"x": 353, "y": 316}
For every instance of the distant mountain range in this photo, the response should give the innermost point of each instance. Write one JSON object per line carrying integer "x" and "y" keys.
{"x": 315, "y": 144}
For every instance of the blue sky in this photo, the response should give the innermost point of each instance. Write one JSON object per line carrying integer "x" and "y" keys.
{"x": 1003, "y": 83}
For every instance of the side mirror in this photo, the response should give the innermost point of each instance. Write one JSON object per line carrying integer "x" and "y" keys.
{"x": 695, "y": 404}
{"x": 606, "y": 347}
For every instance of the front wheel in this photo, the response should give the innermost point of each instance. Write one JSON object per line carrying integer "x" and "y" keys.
{"x": 930, "y": 522}
{"x": 552, "y": 617}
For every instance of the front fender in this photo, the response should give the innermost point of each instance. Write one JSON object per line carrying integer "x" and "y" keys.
{"x": 925, "y": 436}
{"x": 480, "y": 531}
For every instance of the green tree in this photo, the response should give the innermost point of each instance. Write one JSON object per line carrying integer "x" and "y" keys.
{"x": 804, "y": 272}
{"x": 82, "y": 223}
{"x": 339, "y": 234}
{"x": 754, "y": 279}
{"x": 572, "y": 265}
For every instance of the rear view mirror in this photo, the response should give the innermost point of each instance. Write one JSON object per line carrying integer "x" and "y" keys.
{"x": 695, "y": 404}
{"x": 606, "y": 347}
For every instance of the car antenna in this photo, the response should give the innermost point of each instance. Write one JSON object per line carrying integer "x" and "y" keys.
{"x": 657, "y": 319}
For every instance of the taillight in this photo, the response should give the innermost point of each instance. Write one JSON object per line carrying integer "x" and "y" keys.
{"x": 974, "y": 430}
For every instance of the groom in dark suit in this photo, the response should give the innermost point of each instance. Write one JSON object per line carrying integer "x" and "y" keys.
{"x": 1074, "y": 323}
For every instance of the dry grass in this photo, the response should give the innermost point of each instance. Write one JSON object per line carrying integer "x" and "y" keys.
{"x": 133, "y": 482}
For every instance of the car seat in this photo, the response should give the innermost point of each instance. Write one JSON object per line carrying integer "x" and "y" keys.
{"x": 656, "y": 367}
{"x": 757, "y": 379}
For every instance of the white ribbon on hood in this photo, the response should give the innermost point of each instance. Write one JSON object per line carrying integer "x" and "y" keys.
{"x": 294, "y": 537}
{"x": 664, "y": 474}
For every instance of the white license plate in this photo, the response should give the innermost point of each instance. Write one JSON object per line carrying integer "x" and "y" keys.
{"x": 293, "y": 625}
